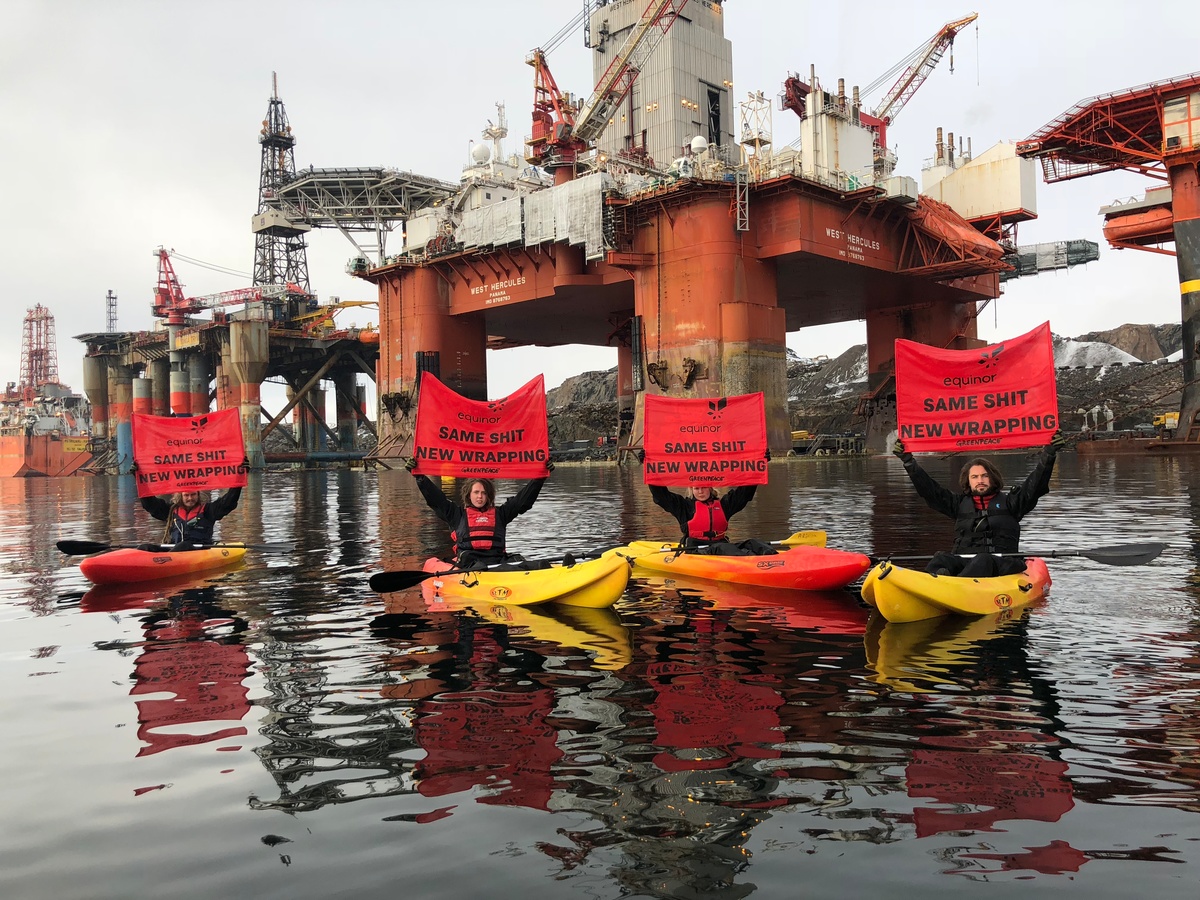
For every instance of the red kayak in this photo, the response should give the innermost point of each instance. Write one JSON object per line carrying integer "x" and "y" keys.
{"x": 801, "y": 568}
{"x": 128, "y": 565}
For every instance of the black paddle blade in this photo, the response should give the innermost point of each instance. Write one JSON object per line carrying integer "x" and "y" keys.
{"x": 1123, "y": 554}
{"x": 82, "y": 548}
{"x": 400, "y": 579}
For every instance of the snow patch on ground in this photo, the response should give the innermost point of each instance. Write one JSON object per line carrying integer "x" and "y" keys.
{"x": 1088, "y": 353}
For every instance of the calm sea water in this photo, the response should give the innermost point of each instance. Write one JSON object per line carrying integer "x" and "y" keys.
{"x": 281, "y": 731}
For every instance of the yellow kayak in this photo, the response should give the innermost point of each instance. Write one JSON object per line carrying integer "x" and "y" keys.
{"x": 595, "y": 583}
{"x": 909, "y": 595}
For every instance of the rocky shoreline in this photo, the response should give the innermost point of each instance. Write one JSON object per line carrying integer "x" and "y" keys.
{"x": 1110, "y": 380}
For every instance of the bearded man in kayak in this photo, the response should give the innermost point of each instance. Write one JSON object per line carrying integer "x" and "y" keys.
{"x": 703, "y": 516}
{"x": 987, "y": 519}
{"x": 477, "y": 525}
{"x": 191, "y": 515}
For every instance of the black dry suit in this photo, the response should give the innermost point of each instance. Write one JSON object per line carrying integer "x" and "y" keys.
{"x": 479, "y": 543}
{"x": 194, "y": 526}
{"x": 994, "y": 527}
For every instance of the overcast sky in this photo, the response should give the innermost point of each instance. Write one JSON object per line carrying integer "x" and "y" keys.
{"x": 125, "y": 125}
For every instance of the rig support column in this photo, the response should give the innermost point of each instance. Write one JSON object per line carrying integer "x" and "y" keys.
{"x": 417, "y": 330}
{"x": 317, "y": 396}
{"x": 198, "y": 378}
{"x": 626, "y": 396}
{"x": 120, "y": 380}
{"x": 708, "y": 311}
{"x": 1185, "y": 199}
{"x": 181, "y": 389}
{"x": 95, "y": 386}
{"x": 939, "y": 325}
{"x": 249, "y": 355}
{"x": 347, "y": 418}
{"x": 228, "y": 385}
{"x": 160, "y": 375}
{"x": 143, "y": 396}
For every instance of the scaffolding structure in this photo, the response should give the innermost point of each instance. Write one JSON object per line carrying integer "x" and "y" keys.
{"x": 39, "y": 353}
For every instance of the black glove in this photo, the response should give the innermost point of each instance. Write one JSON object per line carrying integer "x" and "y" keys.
{"x": 898, "y": 449}
{"x": 549, "y": 467}
{"x": 410, "y": 463}
{"x": 640, "y": 455}
{"x": 767, "y": 455}
{"x": 245, "y": 463}
{"x": 1058, "y": 442}
{"x": 133, "y": 467}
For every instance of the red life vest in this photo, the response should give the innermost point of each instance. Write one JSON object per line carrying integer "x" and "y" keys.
{"x": 708, "y": 522}
{"x": 481, "y": 530}
{"x": 187, "y": 525}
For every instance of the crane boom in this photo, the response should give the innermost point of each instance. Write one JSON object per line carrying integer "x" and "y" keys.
{"x": 926, "y": 59}
{"x": 169, "y": 299}
{"x": 618, "y": 78}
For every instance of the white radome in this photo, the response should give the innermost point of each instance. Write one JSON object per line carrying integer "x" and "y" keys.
{"x": 699, "y": 144}
{"x": 480, "y": 154}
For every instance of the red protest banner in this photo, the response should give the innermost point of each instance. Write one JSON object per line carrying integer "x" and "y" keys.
{"x": 998, "y": 397}
{"x": 505, "y": 438}
{"x": 188, "y": 453}
{"x": 717, "y": 441}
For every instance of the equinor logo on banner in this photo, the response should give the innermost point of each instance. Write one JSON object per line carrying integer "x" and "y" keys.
{"x": 998, "y": 397}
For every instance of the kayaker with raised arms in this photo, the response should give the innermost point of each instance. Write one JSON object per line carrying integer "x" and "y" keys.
{"x": 703, "y": 516}
{"x": 191, "y": 516}
{"x": 477, "y": 525}
{"x": 987, "y": 519}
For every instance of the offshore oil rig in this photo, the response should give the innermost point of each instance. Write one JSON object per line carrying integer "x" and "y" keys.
{"x": 280, "y": 331}
{"x": 694, "y": 250}
{"x": 635, "y": 218}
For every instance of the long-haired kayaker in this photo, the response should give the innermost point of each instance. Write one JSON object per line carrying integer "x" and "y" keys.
{"x": 477, "y": 525}
{"x": 703, "y": 516}
{"x": 191, "y": 516}
{"x": 987, "y": 519}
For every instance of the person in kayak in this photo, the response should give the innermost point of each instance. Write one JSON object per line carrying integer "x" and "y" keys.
{"x": 987, "y": 519}
{"x": 191, "y": 516}
{"x": 703, "y": 516}
{"x": 477, "y": 525}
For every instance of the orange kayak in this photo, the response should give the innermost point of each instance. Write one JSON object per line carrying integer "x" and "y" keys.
{"x": 128, "y": 565}
{"x": 798, "y": 569}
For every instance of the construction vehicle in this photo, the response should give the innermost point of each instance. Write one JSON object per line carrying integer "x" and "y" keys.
{"x": 1166, "y": 424}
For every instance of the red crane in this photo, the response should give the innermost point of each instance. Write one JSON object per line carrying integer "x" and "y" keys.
{"x": 917, "y": 67}
{"x": 562, "y": 132}
{"x": 170, "y": 303}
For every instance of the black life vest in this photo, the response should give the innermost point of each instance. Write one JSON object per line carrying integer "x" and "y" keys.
{"x": 708, "y": 522}
{"x": 189, "y": 525}
{"x": 478, "y": 531}
{"x": 991, "y": 529}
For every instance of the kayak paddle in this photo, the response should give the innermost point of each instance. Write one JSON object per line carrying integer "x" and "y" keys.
{"x": 803, "y": 539}
{"x": 83, "y": 548}
{"x": 1113, "y": 555}
{"x": 401, "y": 579}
